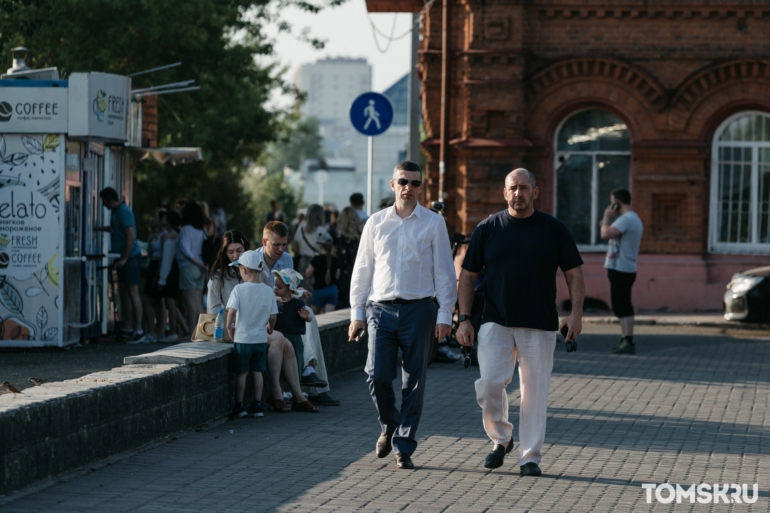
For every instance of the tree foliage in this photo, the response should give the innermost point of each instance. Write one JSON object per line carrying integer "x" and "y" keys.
{"x": 262, "y": 187}
{"x": 222, "y": 45}
{"x": 298, "y": 139}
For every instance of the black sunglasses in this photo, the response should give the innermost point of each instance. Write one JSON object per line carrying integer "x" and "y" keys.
{"x": 403, "y": 181}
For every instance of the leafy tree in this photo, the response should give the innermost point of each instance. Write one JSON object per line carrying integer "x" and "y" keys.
{"x": 262, "y": 187}
{"x": 299, "y": 139}
{"x": 218, "y": 42}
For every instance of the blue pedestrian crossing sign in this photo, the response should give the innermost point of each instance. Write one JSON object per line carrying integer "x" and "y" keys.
{"x": 371, "y": 113}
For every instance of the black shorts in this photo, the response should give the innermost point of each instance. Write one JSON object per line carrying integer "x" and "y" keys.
{"x": 620, "y": 292}
{"x": 151, "y": 287}
{"x": 155, "y": 291}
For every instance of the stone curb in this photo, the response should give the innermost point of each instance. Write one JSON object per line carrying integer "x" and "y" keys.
{"x": 701, "y": 322}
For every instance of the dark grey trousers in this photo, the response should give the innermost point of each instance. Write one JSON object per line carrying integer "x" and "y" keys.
{"x": 411, "y": 328}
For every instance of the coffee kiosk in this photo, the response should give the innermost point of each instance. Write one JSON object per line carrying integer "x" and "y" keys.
{"x": 61, "y": 142}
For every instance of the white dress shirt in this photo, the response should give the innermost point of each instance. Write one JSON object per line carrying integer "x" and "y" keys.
{"x": 406, "y": 258}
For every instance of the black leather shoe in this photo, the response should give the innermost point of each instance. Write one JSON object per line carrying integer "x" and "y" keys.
{"x": 383, "y": 446}
{"x": 404, "y": 461}
{"x": 530, "y": 469}
{"x": 496, "y": 457}
{"x": 324, "y": 399}
{"x": 312, "y": 380}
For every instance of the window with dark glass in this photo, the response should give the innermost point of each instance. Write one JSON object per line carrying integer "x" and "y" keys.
{"x": 592, "y": 159}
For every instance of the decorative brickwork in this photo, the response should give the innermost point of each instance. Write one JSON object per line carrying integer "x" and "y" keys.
{"x": 671, "y": 72}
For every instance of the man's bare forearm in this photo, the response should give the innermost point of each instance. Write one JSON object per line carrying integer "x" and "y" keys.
{"x": 465, "y": 291}
{"x": 577, "y": 289}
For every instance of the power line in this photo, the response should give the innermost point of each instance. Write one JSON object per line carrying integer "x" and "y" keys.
{"x": 390, "y": 38}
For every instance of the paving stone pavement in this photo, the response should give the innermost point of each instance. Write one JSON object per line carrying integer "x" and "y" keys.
{"x": 688, "y": 408}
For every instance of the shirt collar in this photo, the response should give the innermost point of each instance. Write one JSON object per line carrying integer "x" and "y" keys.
{"x": 416, "y": 212}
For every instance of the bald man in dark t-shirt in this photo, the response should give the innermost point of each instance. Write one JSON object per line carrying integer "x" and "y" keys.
{"x": 520, "y": 250}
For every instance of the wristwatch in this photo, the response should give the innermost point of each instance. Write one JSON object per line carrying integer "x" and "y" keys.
{"x": 463, "y": 318}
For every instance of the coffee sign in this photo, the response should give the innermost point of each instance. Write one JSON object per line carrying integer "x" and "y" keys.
{"x": 29, "y": 110}
{"x": 98, "y": 106}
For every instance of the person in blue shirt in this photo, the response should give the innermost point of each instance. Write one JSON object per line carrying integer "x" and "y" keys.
{"x": 123, "y": 242}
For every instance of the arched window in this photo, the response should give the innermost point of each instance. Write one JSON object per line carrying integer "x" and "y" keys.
{"x": 740, "y": 185}
{"x": 592, "y": 159}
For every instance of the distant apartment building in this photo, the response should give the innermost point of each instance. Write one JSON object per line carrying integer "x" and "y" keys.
{"x": 331, "y": 85}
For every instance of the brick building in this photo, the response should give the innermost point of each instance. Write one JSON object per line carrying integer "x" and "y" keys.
{"x": 669, "y": 99}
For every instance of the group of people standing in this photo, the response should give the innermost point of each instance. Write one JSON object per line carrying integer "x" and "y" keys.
{"x": 177, "y": 265}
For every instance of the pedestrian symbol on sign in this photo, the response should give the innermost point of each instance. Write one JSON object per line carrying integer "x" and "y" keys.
{"x": 372, "y": 115}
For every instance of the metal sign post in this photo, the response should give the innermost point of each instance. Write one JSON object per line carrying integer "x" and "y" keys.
{"x": 371, "y": 114}
{"x": 370, "y": 178}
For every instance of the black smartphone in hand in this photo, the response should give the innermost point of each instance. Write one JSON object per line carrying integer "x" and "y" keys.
{"x": 359, "y": 334}
{"x": 571, "y": 345}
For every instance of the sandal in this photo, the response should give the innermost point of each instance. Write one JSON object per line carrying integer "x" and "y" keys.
{"x": 278, "y": 405}
{"x": 306, "y": 406}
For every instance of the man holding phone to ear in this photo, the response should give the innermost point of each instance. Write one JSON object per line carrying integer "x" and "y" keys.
{"x": 404, "y": 258}
{"x": 624, "y": 235}
{"x": 520, "y": 249}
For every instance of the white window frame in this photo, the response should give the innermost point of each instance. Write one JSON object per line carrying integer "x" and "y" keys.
{"x": 754, "y": 247}
{"x": 595, "y": 214}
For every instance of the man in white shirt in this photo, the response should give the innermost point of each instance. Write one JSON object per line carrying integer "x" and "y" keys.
{"x": 405, "y": 259}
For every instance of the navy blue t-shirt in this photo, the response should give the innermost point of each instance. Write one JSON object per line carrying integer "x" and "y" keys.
{"x": 288, "y": 320}
{"x": 520, "y": 258}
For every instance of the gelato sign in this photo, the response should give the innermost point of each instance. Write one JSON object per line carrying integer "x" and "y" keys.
{"x": 98, "y": 106}
{"x": 25, "y": 110}
{"x": 31, "y": 185}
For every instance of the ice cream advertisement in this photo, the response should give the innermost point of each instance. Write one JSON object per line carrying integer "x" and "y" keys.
{"x": 30, "y": 190}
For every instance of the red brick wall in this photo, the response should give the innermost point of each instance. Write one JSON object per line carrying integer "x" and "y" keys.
{"x": 672, "y": 72}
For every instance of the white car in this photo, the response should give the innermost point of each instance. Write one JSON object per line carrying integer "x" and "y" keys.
{"x": 747, "y": 297}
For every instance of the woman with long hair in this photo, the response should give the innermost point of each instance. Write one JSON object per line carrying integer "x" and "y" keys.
{"x": 280, "y": 352}
{"x": 189, "y": 258}
{"x": 349, "y": 236}
{"x": 305, "y": 243}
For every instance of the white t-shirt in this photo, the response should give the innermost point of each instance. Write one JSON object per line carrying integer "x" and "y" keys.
{"x": 254, "y": 303}
{"x": 307, "y": 241}
{"x": 623, "y": 250}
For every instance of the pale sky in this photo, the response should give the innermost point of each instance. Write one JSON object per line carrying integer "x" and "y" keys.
{"x": 348, "y": 33}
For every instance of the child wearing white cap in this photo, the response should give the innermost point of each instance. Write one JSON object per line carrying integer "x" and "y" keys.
{"x": 251, "y": 315}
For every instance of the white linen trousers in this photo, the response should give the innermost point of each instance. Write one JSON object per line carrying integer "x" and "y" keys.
{"x": 499, "y": 349}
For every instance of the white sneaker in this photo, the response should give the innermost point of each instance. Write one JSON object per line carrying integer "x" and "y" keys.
{"x": 150, "y": 339}
{"x": 169, "y": 339}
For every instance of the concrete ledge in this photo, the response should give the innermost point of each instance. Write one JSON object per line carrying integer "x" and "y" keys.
{"x": 188, "y": 353}
{"x": 60, "y": 427}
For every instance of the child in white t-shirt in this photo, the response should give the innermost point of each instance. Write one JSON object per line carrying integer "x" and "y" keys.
{"x": 251, "y": 314}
